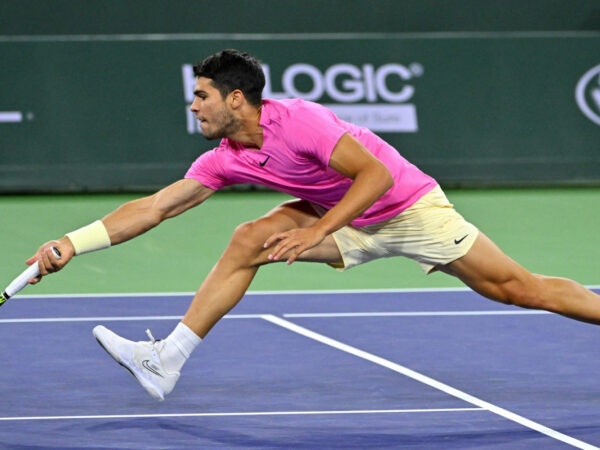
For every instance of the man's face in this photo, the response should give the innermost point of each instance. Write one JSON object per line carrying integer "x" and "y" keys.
{"x": 212, "y": 110}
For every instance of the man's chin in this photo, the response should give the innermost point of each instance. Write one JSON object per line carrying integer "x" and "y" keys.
{"x": 209, "y": 137}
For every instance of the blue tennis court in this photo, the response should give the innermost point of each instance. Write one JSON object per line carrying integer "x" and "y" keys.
{"x": 422, "y": 369}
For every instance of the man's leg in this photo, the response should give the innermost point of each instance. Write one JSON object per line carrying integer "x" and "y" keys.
{"x": 491, "y": 273}
{"x": 231, "y": 276}
{"x": 157, "y": 364}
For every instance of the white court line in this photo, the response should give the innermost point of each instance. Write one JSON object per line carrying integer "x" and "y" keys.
{"x": 290, "y": 315}
{"x": 143, "y": 295}
{"x": 243, "y": 414}
{"x": 415, "y": 314}
{"x": 429, "y": 382}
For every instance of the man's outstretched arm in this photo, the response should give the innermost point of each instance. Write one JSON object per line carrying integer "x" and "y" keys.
{"x": 124, "y": 223}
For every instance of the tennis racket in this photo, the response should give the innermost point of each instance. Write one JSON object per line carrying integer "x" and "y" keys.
{"x": 21, "y": 281}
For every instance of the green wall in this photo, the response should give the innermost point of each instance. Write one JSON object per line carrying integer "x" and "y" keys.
{"x": 94, "y": 95}
{"x": 43, "y": 17}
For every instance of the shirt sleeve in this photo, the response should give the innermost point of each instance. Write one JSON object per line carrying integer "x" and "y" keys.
{"x": 207, "y": 170}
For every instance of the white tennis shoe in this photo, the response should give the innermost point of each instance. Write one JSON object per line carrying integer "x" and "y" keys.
{"x": 141, "y": 359}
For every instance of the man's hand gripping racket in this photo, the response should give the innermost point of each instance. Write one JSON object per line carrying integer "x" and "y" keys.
{"x": 33, "y": 271}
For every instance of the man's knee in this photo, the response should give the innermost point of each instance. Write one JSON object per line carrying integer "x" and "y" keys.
{"x": 249, "y": 236}
{"x": 247, "y": 242}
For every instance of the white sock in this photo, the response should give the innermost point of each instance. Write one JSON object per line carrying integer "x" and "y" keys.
{"x": 178, "y": 347}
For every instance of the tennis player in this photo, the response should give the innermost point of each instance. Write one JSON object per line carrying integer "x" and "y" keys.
{"x": 357, "y": 200}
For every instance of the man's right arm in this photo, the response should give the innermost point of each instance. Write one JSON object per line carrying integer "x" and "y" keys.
{"x": 124, "y": 223}
{"x": 138, "y": 216}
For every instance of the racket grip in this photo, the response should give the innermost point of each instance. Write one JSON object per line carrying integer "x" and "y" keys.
{"x": 21, "y": 281}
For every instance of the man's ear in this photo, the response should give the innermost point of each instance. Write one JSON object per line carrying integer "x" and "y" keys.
{"x": 236, "y": 98}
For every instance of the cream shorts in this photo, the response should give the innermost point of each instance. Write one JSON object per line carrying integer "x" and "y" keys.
{"x": 430, "y": 232}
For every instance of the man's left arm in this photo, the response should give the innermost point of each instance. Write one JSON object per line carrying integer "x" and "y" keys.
{"x": 371, "y": 180}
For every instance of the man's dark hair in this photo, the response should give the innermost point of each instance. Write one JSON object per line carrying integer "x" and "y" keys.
{"x": 233, "y": 69}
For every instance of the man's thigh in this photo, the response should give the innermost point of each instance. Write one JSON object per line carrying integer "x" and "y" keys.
{"x": 489, "y": 271}
{"x": 301, "y": 214}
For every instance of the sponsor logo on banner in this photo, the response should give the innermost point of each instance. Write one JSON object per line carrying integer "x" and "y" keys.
{"x": 378, "y": 98}
{"x": 587, "y": 94}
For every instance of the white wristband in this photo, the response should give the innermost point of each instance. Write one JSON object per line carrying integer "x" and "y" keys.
{"x": 89, "y": 238}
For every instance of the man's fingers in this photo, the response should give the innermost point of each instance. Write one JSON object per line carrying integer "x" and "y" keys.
{"x": 52, "y": 258}
{"x": 35, "y": 280}
{"x": 293, "y": 256}
{"x": 279, "y": 250}
{"x": 47, "y": 261}
{"x": 276, "y": 252}
{"x": 271, "y": 239}
{"x": 31, "y": 260}
{"x": 284, "y": 245}
{"x": 292, "y": 243}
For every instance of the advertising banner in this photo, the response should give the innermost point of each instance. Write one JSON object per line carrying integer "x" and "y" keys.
{"x": 110, "y": 113}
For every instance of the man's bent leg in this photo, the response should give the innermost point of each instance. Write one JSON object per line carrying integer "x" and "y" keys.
{"x": 231, "y": 276}
{"x": 491, "y": 273}
{"x": 156, "y": 364}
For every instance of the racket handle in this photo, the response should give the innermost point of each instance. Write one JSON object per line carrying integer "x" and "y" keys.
{"x": 21, "y": 281}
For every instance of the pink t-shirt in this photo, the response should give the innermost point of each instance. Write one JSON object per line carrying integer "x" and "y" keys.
{"x": 298, "y": 139}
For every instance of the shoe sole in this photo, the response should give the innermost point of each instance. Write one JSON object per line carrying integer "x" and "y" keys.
{"x": 149, "y": 388}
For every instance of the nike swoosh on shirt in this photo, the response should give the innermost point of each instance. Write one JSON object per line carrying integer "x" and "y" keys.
{"x": 262, "y": 164}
